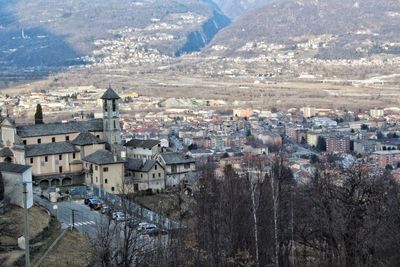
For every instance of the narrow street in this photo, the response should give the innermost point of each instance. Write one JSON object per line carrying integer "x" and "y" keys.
{"x": 85, "y": 220}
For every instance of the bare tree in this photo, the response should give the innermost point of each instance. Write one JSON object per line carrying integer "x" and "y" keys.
{"x": 104, "y": 241}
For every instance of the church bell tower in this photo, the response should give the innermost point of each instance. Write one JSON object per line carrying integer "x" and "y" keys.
{"x": 111, "y": 126}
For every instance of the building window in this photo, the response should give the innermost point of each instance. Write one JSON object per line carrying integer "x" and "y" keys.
{"x": 39, "y": 141}
{"x": 112, "y": 188}
{"x": 155, "y": 167}
{"x": 53, "y": 139}
{"x": 141, "y": 175}
{"x": 105, "y": 169}
{"x": 98, "y": 136}
{"x": 74, "y": 155}
{"x": 24, "y": 142}
{"x": 95, "y": 167}
{"x": 114, "y": 106}
{"x": 60, "y": 157}
{"x": 115, "y": 125}
{"x": 106, "y": 181}
{"x": 46, "y": 159}
{"x": 154, "y": 175}
{"x": 159, "y": 174}
{"x": 31, "y": 160}
{"x": 187, "y": 165}
{"x": 173, "y": 168}
{"x": 60, "y": 169}
{"x": 97, "y": 179}
{"x": 67, "y": 138}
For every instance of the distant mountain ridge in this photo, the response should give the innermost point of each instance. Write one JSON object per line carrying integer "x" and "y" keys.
{"x": 356, "y": 27}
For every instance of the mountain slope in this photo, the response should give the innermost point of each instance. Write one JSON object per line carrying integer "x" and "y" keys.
{"x": 82, "y": 21}
{"x": 235, "y": 8}
{"x": 341, "y": 28}
{"x": 46, "y": 35}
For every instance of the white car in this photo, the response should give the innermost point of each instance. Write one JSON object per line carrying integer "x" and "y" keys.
{"x": 145, "y": 227}
{"x": 119, "y": 216}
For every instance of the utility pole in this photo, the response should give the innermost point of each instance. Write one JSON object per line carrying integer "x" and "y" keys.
{"x": 73, "y": 219}
{"x": 26, "y": 225}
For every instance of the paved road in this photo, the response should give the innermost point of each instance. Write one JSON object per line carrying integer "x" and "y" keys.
{"x": 85, "y": 220}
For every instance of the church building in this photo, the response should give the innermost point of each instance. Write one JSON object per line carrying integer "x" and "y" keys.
{"x": 61, "y": 153}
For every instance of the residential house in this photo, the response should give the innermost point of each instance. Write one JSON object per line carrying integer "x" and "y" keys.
{"x": 143, "y": 149}
{"x": 177, "y": 167}
{"x": 104, "y": 171}
{"x": 145, "y": 174}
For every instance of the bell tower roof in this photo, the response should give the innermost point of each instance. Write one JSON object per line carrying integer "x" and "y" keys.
{"x": 110, "y": 94}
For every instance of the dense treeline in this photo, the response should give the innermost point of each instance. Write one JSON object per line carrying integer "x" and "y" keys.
{"x": 262, "y": 217}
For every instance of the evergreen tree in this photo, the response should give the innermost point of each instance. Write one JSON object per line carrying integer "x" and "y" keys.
{"x": 321, "y": 144}
{"x": 39, "y": 114}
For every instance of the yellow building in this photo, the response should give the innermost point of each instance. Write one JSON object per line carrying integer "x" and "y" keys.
{"x": 104, "y": 171}
{"x": 309, "y": 112}
{"x": 376, "y": 113}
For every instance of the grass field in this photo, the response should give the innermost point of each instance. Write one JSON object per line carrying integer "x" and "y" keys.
{"x": 72, "y": 250}
{"x": 14, "y": 228}
{"x": 14, "y": 221}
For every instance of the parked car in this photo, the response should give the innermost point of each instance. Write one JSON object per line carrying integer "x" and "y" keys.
{"x": 144, "y": 227}
{"x": 156, "y": 232}
{"x": 132, "y": 223}
{"x": 95, "y": 204}
{"x": 119, "y": 216}
{"x": 88, "y": 200}
{"x": 105, "y": 209}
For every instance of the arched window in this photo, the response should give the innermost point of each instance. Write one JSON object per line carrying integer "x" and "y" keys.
{"x": 106, "y": 127}
{"x": 114, "y": 106}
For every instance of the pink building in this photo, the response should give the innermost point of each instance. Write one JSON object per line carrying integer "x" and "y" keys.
{"x": 337, "y": 144}
{"x": 386, "y": 157}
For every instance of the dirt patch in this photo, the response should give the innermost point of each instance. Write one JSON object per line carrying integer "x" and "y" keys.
{"x": 72, "y": 250}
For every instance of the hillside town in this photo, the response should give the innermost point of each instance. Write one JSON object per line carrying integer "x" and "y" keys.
{"x": 109, "y": 149}
{"x": 173, "y": 135}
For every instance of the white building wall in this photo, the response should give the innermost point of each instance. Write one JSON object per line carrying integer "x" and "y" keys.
{"x": 13, "y": 187}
